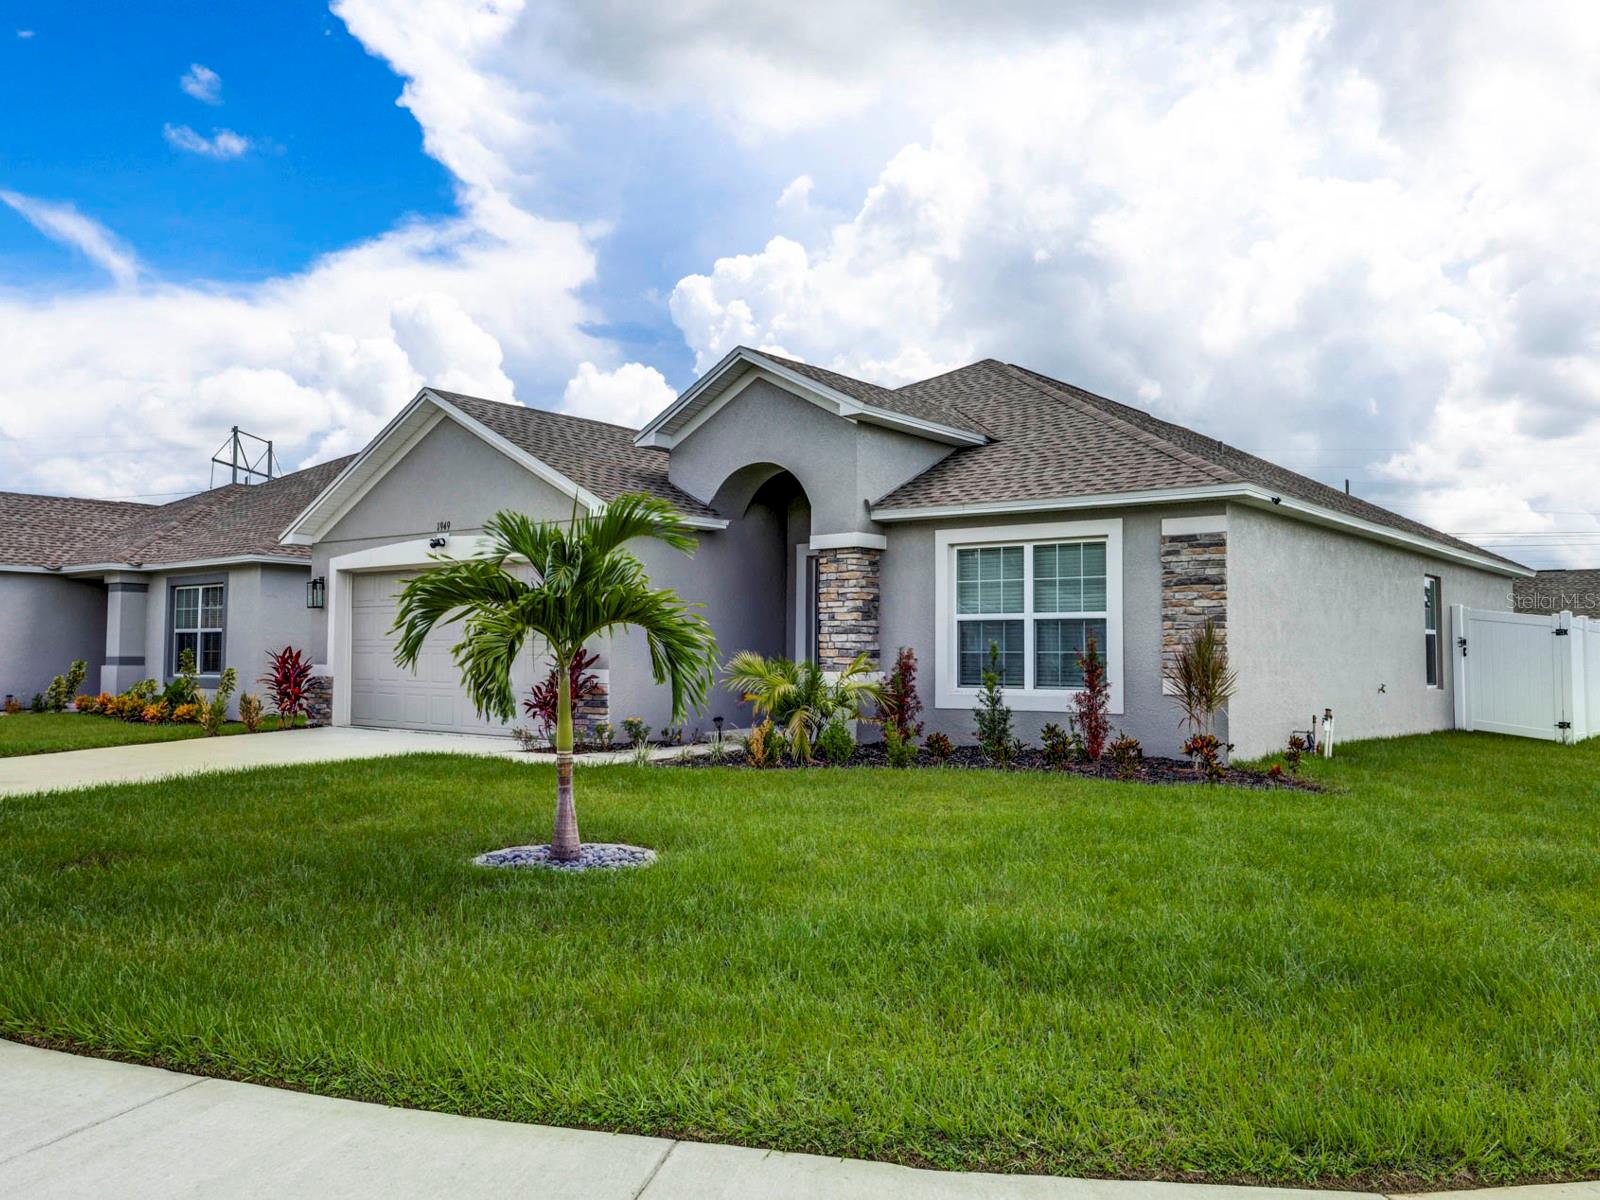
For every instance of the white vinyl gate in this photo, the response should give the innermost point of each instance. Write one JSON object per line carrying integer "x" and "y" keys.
{"x": 1529, "y": 674}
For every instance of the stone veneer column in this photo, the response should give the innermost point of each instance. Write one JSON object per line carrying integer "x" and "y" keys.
{"x": 319, "y": 700}
{"x": 1194, "y": 586}
{"x": 847, "y": 606}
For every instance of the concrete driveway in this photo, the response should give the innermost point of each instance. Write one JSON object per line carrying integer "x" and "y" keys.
{"x": 162, "y": 760}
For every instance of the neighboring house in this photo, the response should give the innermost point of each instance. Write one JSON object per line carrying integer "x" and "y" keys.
{"x": 987, "y": 505}
{"x": 1574, "y": 591}
{"x": 127, "y": 586}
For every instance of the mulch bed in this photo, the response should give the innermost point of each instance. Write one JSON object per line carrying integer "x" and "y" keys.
{"x": 971, "y": 758}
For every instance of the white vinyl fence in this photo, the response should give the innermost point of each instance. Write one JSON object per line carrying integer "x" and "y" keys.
{"x": 1529, "y": 674}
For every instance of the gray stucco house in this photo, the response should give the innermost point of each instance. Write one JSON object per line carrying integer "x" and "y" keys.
{"x": 989, "y": 504}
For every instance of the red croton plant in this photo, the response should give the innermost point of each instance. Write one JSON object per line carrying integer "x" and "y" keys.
{"x": 544, "y": 697}
{"x": 286, "y": 680}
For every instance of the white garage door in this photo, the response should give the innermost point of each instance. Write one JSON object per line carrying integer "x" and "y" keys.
{"x": 431, "y": 697}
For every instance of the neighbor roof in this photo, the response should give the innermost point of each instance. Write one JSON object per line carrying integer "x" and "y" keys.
{"x": 1052, "y": 440}
{"x": 233, "y": 521}
{"x": 1576, "y": 591}
{"x": 597, "y": 456}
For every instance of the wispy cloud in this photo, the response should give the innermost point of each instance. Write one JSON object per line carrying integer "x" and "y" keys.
{"x": 65, "y": 224}
{"x": 222, "y": 144}
{"x": 202, "y": 83}
{"x": 24, "y": 33}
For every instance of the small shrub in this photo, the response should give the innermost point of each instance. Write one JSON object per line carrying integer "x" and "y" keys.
{"x": 287, "y": 679}
{"x": 993, "y": 717}
{"x": 37, "y": 703}
{"x": 900, "y": 750}
{"x": 544, "y": 698}
{"x": 56, "y": 695}
{"x": 75, "y": 674}
{"x": 250, "y": 712}
{"x": 1092, "y": 700}
{"x": 84, "y": 702}
{"x": 1126, "y": 755}
{"x": 939, "y": 748}
{"x": 900, "y": 705}
{"x": 1207, "y": 754}
{"x": 758, "y": 745}
{"x": 1295, "y": 752}
{"x": 642, "y": 751}
{"x": 214, "y": 712}
{"x": 157, "y": 712}
{"x": 636, "y": 730}
{"x": 1061, "y": 747}
{"x": 836, "y": 742}
{"x": 603, "y": 734}
{"x": 672, "y": 735}
{"x": 182, "y": 689}
{"x": 1275, "y": 773}
{"x": 13, "y": 706}
{"x": 527, "y": 740}
{"x": 716, "y": 748}
{"x": 186, "y": 714}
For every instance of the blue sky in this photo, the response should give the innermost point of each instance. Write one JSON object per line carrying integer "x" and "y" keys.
{"x": 1356, "y": 237}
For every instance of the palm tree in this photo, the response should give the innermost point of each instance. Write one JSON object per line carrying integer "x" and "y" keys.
{"x": 799, "y": 697}
{"x": 588, "y": 585}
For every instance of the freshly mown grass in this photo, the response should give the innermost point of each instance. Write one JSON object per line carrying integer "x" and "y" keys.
{"x": 1392, "y": 982}
{"x": 48, "y": 733}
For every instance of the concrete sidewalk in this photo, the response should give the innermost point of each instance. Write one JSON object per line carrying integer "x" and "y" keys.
{"x": 195, "y": 756}
{"x": 78, "y": 1127}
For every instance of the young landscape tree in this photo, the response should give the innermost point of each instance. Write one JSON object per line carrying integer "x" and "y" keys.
{"x": 587, "y": 584}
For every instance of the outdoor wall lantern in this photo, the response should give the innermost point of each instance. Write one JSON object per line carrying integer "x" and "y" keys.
{"x": 317, "y": 593}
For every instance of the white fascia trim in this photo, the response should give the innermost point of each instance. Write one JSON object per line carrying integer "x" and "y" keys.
{"x": 996, "y": 508}
{"x": 704, "y": 522}
{"x": 1247, "y": 493}
{"x": 806, "y": 388}
{"x": 1317, "y": 515}
{"x": 234, "y": 560}
{"x": 1212, "y": 523}
{"x": 1055, "y": 700}
{"x": 849, "y": 541}
{"x": 23, "y": 569}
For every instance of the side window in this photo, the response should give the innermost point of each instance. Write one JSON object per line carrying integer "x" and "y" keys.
{"x": 1430, "y": 630}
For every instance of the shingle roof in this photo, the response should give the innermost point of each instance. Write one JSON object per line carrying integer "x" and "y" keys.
{"x": 1052, "y": 439}
{"x": 225, "y": 522}
{"x": 44, "y": 531}
{"x": 1575, "y": 591}
{"x": 913, "y": 401}
{"x": 593, "y": 454}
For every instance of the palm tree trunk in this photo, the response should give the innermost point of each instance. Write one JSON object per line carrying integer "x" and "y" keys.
{"x": 564, "y": 843}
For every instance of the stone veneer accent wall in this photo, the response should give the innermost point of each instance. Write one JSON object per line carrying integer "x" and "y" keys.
{"x": 591, "y": 710}
{"x": 319, "y": 700}
{"x": 1194, "y": 586}
{"x": 847, "y": 606}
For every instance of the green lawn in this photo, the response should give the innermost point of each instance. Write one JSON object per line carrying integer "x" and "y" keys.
{"x": 1393, "y": 982}
{"x": 47, "y": 733}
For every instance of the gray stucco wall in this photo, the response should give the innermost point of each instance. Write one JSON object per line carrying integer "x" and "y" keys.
{"x": 265, "y": 611}
{"x": 46, "y": 622}
{"x": 1320, "y": 619}
{"x": 908, "y": 620}
{"x": 842, "y": 466}
{"x": 450, "y": 475}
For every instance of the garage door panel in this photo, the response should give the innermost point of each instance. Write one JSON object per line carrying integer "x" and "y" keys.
{"x": 431, "y": 697}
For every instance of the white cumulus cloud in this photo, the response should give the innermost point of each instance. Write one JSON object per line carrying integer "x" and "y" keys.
{"x": 202, "y": 83}
{"x": 222, "y": 144}
{"x": 628, "y": 395}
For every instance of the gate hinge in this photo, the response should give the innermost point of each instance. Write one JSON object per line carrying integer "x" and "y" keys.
{"x": 1561, "y": 632}
{"x": 1563, "y": 724}
{"x": 1462, "y": 642}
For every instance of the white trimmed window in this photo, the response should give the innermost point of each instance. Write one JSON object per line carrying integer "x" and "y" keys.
{"x": 1430, "y": 630}
{"x": 197, "y": 625}
{"x": 1036, "y": 593}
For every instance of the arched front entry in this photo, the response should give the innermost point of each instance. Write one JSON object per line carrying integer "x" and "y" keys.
{"x": 773, "y": 514}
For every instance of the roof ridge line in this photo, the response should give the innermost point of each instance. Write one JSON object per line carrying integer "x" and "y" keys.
{"x": 549, "y": 412}
{"x": 1055, "y": 391}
